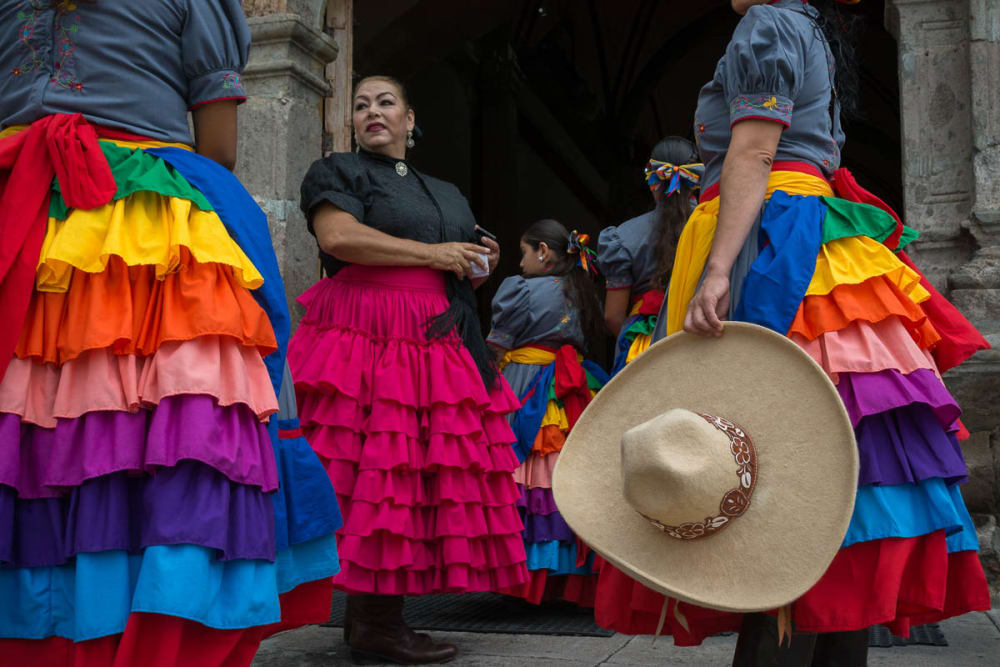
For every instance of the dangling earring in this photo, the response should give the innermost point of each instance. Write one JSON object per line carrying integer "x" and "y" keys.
{"x": 357, "y": 146}
{"x": 410, "y": 143}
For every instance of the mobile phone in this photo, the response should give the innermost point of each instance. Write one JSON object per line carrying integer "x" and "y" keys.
{"x": 490, "y": 235}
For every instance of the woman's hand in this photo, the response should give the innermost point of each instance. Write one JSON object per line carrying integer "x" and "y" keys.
{"x": 709, "y": 306}
{"x": 493, "y": 251}
{"x": 457, "y": 257}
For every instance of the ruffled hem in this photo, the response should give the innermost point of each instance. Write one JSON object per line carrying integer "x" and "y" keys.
{"x": 871, "y": 301}
{"x": 557, "y": 557}
{"x": 154, "y": 640}
{"x": 131, "y": 310}
{"x": 861, "y": 347}
{"x": 908, "y": 445}
{"x": 867, "y": 394}
{"x": 537, "y": 500}
{"x": 39, "y": 462}
{"x": 912, "y": 510}
{"x": 576, "y": 588}
{"x": 459, "y": 578}
{"x": 143, "y": 228}
{"x": 546, "y": 528}
{"x": 536, "y": 471}
{"x": 855, "y": 259}
{"x": 898, "y": 583}
{"x": 429, "y": 523}
{"x": 94, "y": 595}
{"x": 100, "y": 380}
{"x": 390, "y": 450}
{"x": 188, "y": 504}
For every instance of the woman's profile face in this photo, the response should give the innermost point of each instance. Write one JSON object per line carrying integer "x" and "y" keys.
{"x": 381, "y": 118}
{"x": 741, "y": 6}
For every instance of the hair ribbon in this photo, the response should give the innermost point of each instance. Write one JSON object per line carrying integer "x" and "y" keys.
{"x": 585, "y": 256}
{"x": 658, "y": 173}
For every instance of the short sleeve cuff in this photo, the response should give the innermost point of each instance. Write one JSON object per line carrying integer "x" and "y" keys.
{"x": 613, "y": 284}
{"x": 500, "y": 339}
{"x": 761, "y": 106}
{"x": 223, "y": 84}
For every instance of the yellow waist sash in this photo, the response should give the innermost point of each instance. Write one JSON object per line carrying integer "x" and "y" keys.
{"x": 696, "y": 240}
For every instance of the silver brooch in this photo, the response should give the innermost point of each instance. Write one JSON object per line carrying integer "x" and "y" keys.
{"x": 401, "y": 168}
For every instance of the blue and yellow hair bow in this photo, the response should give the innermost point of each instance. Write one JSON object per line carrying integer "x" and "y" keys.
{"x": 673, "y": 175}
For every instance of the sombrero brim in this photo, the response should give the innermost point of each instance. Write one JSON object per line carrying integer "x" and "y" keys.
{"x": 806, "y": 482}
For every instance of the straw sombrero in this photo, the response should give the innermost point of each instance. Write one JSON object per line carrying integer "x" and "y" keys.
{"x": 720, "y": 471}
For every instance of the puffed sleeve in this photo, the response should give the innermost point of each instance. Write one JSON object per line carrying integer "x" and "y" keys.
{"x": 511, "y": 312}
{"x": 764, "y": 66}
{"x": 339, "y": 180}
{"x": 613, "y": 259}
{"x": 216, "y": 44}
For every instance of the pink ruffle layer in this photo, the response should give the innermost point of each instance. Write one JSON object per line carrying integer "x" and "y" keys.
{"x": 99, "y": 380}
{"x": 863, "y": 347}
{"x": 418, "y": 450}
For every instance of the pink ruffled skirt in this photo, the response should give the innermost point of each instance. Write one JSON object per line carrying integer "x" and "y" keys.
{"x": 418, "y": 450}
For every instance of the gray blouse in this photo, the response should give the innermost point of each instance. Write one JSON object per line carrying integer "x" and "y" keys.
{"x": 777, "y": 67}
{"x": 626, "y": 254}
{"x": 534, "y": 310}
{"x": 135, "y": 65}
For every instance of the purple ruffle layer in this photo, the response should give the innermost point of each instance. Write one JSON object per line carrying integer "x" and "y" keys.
{"x": 536, "y": 501}
{"x": 187, "y": 504}
{"x": 41, "y": 462}
{"x": 906, "y": 445}
{"x": 867, "y": 394}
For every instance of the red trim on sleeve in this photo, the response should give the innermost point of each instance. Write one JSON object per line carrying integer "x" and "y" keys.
{"x": 240, "y": 98}
{"x": 773, "y": 120}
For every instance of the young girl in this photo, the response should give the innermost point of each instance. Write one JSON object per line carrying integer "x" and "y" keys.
{"x": 543, "y": 324}
{"x": 636, "y": 257}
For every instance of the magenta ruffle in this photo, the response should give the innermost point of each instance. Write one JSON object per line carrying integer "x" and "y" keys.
{"x": 39, "y": 462}
{"x": 871, "y": 393}
{"x": 417, "y": 448}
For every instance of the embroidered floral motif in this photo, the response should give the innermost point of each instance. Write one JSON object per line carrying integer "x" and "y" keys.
{"x": 231, "y": 80}
{"x": 770, "y": 103}
{"x": 65, "y": 24}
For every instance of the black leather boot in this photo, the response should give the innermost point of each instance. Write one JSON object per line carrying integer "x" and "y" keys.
{"x": 757, "y": 645}
{"x": 379, "y": 634}
{"x": 348, "y": 615}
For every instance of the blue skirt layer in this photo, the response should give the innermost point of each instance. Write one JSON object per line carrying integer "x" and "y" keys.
{"x": 557, "y": 557}
{"x": 912, "y": 510}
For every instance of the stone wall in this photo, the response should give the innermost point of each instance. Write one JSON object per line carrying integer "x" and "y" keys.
{"x": 281, "y": 124}
{"x": 949, "y": 68}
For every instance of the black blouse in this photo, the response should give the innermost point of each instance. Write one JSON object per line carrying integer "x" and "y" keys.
{"x": 393, "y": 197}
{"x": 390, "y": 196}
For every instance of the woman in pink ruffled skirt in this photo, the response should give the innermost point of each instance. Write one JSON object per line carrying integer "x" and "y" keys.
{"x": 396, "y": 388}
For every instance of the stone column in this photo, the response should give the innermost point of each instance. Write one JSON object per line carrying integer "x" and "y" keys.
{"x": 949, "y": 66}
{"x": 281, "y": 125}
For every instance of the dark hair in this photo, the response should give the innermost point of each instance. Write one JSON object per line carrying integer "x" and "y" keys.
{"x": 673, "y": 211}
{"x": 841, "y": 27}
{"x": 578, "y": 285}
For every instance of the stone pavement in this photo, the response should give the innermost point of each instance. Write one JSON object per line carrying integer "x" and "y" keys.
{"x": 974, "y": 639}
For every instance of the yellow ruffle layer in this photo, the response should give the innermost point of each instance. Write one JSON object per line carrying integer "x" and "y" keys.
{"x": 143, "y": 228}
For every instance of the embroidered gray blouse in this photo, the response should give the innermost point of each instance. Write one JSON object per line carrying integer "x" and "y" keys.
{"x": 626, "y": 254}
{"x": 777, "y": 67}
{"x": 534, "y": 311}
{"x": 135, "y": 65}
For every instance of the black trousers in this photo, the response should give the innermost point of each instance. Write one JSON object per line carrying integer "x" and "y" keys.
{"x": 758, "y": 646}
